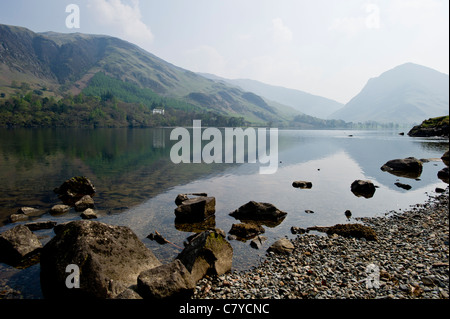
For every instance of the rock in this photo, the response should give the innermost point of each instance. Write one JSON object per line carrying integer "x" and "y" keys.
{"x": 282, "y": 246}
{"x": 84, "y": 203}
{"x": 18, "y": 244}
{"x": 439, "y": 190}
{"x": 172, "y": 281}
{"x": 308, "y": 211}
{"x": 443, "y": 175}
{"x": 74, "y": 189}
{"x": 88, "y": 214}
{"x": 404, "y": 186}
{"x": 41, "y": 225}
{"x": 297, "y": 230}
{"x": 258, "y": 211}
{"x": 207, "y": 253}
{"x": 246, "y": 230}
{"x": 348, "y": 214}
{"x": 446, "y": 158}
{"x": 59, "y": 209}
{"x": 363, "y": 188}
{"x": 302, "y": 184}
{"x": 409, "y": 167}
{"x": 181, "y": 198}
{"x": 258, "y": 242}
{"x": 110, "y": 258}
{"x": 195, "y": 209}
{"x": 352, "y": 230}
{"x": 24, "y": 213}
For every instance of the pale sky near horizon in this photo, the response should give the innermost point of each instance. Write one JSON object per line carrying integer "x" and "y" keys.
{"x": 329, "y": 48}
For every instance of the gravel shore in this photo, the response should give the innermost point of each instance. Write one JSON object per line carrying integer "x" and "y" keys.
{"x": 410, "y": 260}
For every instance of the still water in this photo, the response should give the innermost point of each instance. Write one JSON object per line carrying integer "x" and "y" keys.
{"x": 137, "y": 182}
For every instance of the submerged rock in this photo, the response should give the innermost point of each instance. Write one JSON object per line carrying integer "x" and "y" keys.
{"x": 24, "y": 213}
{"x": 246, "y": 230}
{"x": 110, "y": 258}
{"x": 207, "y": 253}
{"x": 84, "y": 203}
{"x": 404, "y": 186}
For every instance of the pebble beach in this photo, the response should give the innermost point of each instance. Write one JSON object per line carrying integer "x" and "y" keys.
{"x": 409, "y": 260}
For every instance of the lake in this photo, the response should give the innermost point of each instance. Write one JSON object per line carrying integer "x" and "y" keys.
{"x": 137, "y": 182}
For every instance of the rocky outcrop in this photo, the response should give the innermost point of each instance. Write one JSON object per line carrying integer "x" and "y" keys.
{"x": 409, "y": 167}
{"x": 18, "y": 244}
{"x": 72, "y": 190}
{"x": 258, "y": 212}
{"x": 438, "y": 126}
{"x": 207, "y": 253}
{"x": 110, "y": 258}
{"x": 363, "y": 188}
{"x": 170, "y": 281}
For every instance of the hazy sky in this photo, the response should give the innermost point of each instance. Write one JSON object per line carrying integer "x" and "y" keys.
{"x": 324, "y": 47}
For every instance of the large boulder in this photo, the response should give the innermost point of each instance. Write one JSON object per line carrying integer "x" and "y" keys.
{"x": 195, "y": 209}
{"x": 109, "y": 258}
{"x": 256, "y": 211}
{"x": 18, "y": 244}
{"x": 409, "y": 167}
{"x": 363, "y": 188}
{"x": 207, "y": 253}
{"x": 72, "y": 190}
{"x": 170, "y": 281}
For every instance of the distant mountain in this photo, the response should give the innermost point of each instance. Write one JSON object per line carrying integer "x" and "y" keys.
{"x": 65, "y": 63}
{"x": 306, "y": 103}
{"x": 407, "y": 93}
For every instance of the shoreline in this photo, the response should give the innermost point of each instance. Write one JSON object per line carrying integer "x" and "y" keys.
{"x": 410, "y": 258}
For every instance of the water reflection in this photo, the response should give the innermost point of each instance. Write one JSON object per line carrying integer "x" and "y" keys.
{"x": 137, "y": 183}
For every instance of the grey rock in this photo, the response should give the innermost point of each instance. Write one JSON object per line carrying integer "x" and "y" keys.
{"x": 88, "y": 214}
{"x": 282, "y": 246}
{"x": 17, "y": 244}
{"x": 207, "y": 253}
{"x": 59, "y": 209}
{"x": 172, "y": 281}
{"x": 363, "y": 188}
{"x": 258, "y": 211}
{"x": 84, "y": 203}
{"x": 74, "y": 189}
{"x": 196, "y": 209}
{"x": 110, "y": 258}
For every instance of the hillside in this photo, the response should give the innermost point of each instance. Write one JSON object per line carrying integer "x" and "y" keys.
{"x": 65, "y": 63}
{"x": 405, "y": 94}
{"x": 306, "y": 103}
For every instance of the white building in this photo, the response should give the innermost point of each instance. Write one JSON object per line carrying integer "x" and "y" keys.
{"x": 158, "y": 111}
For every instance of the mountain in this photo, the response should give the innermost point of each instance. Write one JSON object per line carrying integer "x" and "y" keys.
{"x": 60, "y": 63}
{"x": 405, "y": 94}
{"x": 306, "y": 103}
